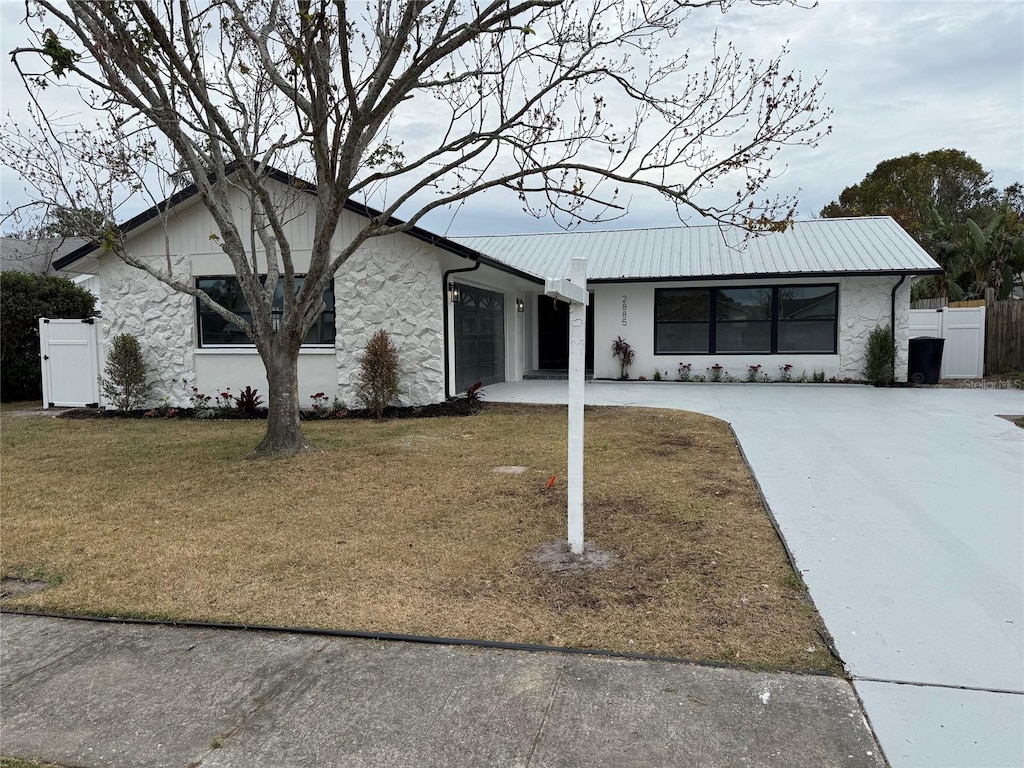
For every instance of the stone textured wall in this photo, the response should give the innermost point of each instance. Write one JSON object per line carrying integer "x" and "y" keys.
{"x": 160, "y": 317}
{"x": 864, "y": 302}
{"x": 397, "y": 289}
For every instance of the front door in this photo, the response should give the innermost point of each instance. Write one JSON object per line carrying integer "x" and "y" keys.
{"x": 553, "y": 334}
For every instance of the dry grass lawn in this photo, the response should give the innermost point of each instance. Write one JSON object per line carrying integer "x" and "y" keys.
{"x": 402, "y": 526}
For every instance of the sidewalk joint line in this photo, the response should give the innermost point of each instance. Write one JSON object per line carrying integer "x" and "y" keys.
{"x": 950, "y": 686}
{"x": 544, "y": 717}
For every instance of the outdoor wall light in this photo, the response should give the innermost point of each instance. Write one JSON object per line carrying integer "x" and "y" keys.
{"x": 520, "y": 305}
{"x": 453, "y": 292}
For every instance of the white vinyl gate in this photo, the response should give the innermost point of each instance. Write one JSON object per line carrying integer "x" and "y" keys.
{"x": 70, "y": 354}
{"x": 963, "y": 328}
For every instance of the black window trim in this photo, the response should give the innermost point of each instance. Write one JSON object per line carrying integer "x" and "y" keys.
{"x": 712, "y": 339}
{"x": 199, "y": 309}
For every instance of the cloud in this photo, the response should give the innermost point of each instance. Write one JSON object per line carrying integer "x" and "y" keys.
{"x": 901, "y": 76}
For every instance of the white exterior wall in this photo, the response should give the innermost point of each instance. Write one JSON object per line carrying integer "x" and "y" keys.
{"x": 394, "y": 284}
{"x": 160, "y": 317}
{"x": 216, "y": 370}
{"x": 627, "y": 310}
{"x": 865, "y": 302}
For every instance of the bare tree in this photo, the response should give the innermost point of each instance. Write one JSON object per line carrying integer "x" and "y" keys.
{"x": 564, "y": 103}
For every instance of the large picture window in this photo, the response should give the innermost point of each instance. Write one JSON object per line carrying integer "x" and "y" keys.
{"x": 757, "y": 319}
{"x": 807, "y": 318}
{"x": 215, "y": 331}
{"x": 743, "y": 320}
{"x": 682, "y": 320}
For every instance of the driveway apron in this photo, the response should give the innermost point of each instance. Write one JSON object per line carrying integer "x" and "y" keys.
{"x": 904, "y": 512}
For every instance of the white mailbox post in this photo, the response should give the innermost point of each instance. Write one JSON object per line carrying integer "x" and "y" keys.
{"x": 574, "y": 291}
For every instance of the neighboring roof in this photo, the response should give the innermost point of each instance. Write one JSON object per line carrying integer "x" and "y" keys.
{"x": 874, "y": 245}
{"x": 35, "y": 255}
{"x": 352, "y": 206}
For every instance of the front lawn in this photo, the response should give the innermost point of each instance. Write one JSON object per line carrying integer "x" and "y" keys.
{"x": 402, "y": 526}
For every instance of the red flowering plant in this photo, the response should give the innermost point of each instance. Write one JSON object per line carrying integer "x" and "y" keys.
{"x": 753, "y": 373}
{"x": 225, "y": 402}
{"x": 320, "y": 405}
{"x": 785, "y": 373}
{"x": 715, "y": 371}
{"x": 202, "y": 405}
{"x": 325, "y": 408}
{"x": 684, "y": 372}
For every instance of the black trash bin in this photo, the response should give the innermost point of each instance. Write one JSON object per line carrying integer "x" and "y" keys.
{"x": 925, "y": 359}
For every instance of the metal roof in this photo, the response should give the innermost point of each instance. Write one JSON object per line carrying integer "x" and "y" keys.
{"x": 866, "y": 246}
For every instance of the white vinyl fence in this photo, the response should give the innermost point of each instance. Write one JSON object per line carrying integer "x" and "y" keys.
{"x": 69, "y": 352}
{"x": 963, "y": 328}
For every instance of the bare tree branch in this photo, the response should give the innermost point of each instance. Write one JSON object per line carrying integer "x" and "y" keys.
{"x": 567, "y": 104}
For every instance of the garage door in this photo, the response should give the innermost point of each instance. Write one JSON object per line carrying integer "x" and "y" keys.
{"x": 479, "y": 337}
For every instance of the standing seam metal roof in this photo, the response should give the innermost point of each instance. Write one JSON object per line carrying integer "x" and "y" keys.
{"x": 866, "y": 245}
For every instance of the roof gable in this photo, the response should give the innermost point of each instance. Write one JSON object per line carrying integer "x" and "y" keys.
{"x": 190, "y": 192}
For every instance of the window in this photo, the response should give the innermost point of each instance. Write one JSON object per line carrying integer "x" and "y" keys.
{"x": 215, "y": 331}
{"x": 761, "y": 319}
{"x": 743, "y": 320}
{"x": 682, "y": 320}
{"x": 807, "y": 318}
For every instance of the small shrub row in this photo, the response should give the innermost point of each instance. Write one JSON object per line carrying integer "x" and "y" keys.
{"x": 880, "y": 358}
{"x": 755, "y": 374}
{"x": 625, "y": 354}
{"x": 247, "y": 404}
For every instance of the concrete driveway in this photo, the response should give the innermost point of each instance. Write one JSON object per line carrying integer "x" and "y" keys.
{"x": 904, "y": 511}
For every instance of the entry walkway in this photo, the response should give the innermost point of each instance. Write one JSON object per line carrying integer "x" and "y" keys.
{"x": 904, "y": 511}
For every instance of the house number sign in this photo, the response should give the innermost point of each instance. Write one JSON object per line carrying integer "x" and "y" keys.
{"x": 624, "y": 322}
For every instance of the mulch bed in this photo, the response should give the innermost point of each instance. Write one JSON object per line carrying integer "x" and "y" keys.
{"x": 458, "y": 406}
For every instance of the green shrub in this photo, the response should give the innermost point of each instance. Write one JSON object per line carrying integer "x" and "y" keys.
{"x": 24, "y": 298}
{"x": 377, "y": 387}
{"x": 881, "y": 354}
{"x": 124, "y": 377}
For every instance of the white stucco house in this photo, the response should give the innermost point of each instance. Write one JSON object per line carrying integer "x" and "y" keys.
{"x": 473, "y": 309}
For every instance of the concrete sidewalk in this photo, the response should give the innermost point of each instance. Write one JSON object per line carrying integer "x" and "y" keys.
{"x": 101, "y": 694}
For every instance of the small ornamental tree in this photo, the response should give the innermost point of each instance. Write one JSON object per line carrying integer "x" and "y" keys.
{"x": 24, "y": 298}
{"x": 881, "y": 355}
{"x": 124, "y": 382}
{"x": 378, "y": 374}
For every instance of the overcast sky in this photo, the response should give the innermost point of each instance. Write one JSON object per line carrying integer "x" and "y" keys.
{"x": 901, "y": 76}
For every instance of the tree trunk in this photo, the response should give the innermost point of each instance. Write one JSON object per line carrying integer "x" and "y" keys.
{"x": 284, "y": 435}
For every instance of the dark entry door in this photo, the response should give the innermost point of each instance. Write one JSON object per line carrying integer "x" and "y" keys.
{"x": 553, "y": 334}
{"x": 479, "y": 337}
